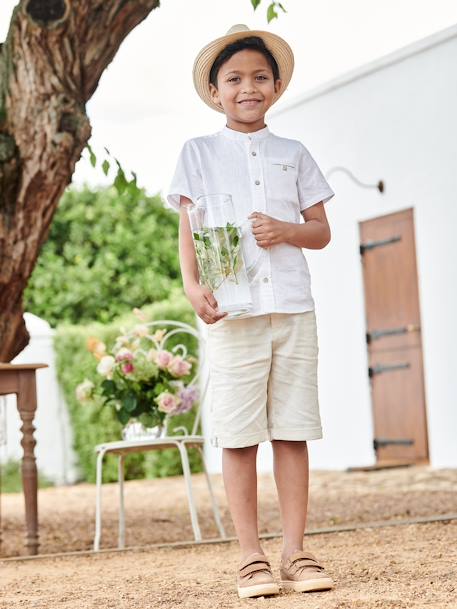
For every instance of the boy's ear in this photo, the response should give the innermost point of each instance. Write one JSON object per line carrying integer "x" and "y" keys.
{"x": 214, "y": 95}
{"x": 278, "y": 85}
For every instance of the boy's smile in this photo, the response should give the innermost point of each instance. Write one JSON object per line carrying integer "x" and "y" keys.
{"x": 246, "y": 90}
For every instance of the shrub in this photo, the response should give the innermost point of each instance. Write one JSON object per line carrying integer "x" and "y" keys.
{"x": 106, "y": 253}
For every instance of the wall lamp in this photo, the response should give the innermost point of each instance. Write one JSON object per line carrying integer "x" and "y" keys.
{"x": 379, "y": 186}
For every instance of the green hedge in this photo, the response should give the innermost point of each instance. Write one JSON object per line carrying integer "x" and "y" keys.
{"x": 106, "y": 253}
{"x": 92, "y": 426}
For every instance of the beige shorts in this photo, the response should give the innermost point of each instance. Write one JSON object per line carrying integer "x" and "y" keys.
{"x": 263, "y": 379}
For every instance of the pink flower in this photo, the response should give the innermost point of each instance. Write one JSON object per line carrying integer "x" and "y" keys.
{"x": 127, "y": 368}
{"x": 167, "y": 402}
{"x": 163, "y": 359}
{"x": 124, "y": 354}
{"x": 179, "y": 367}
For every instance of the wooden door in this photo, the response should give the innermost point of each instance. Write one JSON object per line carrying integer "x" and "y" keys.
{"x": 388, "y": 256}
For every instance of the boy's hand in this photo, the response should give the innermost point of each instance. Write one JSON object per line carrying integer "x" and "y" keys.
{"x": 205, "y": 305}
{"x": 267, "y": 230}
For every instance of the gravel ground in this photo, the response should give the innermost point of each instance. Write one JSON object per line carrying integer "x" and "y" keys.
{"x": 405, "y": 567}
{"x": 157, "y": 510}
{"x": 412, "y": 566}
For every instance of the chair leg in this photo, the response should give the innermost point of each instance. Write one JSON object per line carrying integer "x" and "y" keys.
{"x": 98, "y": 501}
{"x": 217, "y": 516}
{"x": 121, "y": 537}
{"x": 187, "y": 476}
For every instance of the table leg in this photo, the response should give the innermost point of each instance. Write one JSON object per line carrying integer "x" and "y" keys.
{"x": 26, "y": 404}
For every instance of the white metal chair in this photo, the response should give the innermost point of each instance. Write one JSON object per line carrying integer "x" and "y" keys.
{"x": 180, "y": 442}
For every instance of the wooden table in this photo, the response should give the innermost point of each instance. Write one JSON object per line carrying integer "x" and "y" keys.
{"x": 20, "y": 379}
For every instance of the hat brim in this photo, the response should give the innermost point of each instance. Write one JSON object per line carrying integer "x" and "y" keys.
{"x": 278, "y": 47}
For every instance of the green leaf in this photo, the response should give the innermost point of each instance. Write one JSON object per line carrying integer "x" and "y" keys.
{"x": 255, "y": 3}
{"x": 129, "y": 402}
{"x": 108, "y": 386}
{"x": 271, "y": 12}
{"x": 123, "y": 416}
{"x": 105, "y": 166}
{"x": 92, "y": 157}
{"x": 120, "y": 182}
{"x": 281, "y": 7}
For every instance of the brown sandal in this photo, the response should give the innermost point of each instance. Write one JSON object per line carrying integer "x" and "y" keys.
{"x": 301, "y": 572}
{"x": 255, "y": 577}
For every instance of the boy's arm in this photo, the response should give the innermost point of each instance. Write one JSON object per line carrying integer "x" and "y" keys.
{"x": 313, "y": 234}
{"x": 200, "y": 297}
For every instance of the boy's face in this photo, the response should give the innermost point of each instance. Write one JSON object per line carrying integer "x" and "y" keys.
{"x": 245, "y": 90}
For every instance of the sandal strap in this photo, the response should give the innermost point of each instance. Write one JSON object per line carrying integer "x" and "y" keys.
{"x": 304, "y": 559}
{"x": 254, "y": 567}
{"x": 256, "y": 557}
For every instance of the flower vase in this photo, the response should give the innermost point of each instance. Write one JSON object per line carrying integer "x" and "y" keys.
{"x": 135, "y": 430}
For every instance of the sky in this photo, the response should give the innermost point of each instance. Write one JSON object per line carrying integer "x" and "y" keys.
{"x": 145, "y": 106}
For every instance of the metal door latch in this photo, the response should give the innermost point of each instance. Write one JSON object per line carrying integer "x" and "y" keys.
{"x": 370, "y": 245}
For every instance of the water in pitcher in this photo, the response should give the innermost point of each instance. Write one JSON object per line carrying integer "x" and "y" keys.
{"x": 217, "y": 240}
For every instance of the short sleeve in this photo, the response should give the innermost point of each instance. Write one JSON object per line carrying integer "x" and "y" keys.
{"x": 187, "y": 179}
{"x": 312, "y": 186}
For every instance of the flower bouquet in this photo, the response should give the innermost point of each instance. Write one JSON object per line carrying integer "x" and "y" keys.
{"x": 142, "y": 381}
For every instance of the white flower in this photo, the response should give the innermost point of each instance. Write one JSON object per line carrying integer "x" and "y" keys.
{"x": 159, "y": 335}
{"x": 84, "y": 390}
{"x": 152, "y": 355}
{"x": 141, "y": 330}
{"x": 105, "y": 366}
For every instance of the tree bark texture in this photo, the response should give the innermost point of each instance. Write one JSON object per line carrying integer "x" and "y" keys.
{"x": 50, "y": 65}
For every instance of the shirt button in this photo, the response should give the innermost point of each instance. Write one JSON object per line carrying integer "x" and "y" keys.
{"x": 257, "y": 182}
{"x": 253, "y": 153}
{"x": 265, "y": 280}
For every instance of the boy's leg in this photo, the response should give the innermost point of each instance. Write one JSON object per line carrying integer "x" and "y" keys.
{"x": 291, "y": 476}
{"x": 239, "y": 466}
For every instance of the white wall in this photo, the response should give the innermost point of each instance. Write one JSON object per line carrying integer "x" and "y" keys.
{"x": 54, "y": 454}
{"x": 396, "y": 121}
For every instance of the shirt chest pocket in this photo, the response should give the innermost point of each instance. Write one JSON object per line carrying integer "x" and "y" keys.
{"x": 282, "y": 187}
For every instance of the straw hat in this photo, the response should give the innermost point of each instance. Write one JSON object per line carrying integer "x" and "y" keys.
{"x": 278, "y": 47}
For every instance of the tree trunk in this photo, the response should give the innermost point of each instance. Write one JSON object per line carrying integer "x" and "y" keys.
{"x": 50, "y": 65}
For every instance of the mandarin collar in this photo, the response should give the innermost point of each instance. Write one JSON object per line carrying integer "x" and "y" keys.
{"x": 240, "y": 136}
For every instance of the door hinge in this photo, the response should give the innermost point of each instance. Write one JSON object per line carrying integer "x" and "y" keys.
{"x": 379, "y": 369}
{"x": 370, "y": 245}
{"x": 375, "y": 334}
{"x": 382, "y": 442}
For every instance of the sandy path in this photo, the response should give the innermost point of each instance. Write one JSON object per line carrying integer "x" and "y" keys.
{"x": 156, "y": 510}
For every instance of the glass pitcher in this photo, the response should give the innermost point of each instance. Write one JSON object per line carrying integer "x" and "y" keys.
{"x": 217, "y": 241}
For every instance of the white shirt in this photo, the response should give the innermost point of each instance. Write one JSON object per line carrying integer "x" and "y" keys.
{"x": 267, "y": 173}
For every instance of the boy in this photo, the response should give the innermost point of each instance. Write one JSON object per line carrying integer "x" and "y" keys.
{"x": 263, "y": 365}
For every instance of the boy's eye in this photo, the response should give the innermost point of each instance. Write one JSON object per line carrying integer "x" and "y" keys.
{"x": 262, "y": 76}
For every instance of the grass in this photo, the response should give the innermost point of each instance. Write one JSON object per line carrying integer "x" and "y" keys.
{"x": 11, "y": 479}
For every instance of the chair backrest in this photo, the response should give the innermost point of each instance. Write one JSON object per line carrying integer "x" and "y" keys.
{"x": 173, "y": 329}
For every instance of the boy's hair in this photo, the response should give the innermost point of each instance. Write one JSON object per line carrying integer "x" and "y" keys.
{"x": 255, "y": 43}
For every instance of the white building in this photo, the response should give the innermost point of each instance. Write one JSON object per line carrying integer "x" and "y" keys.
{"x": 395, "y": 121}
